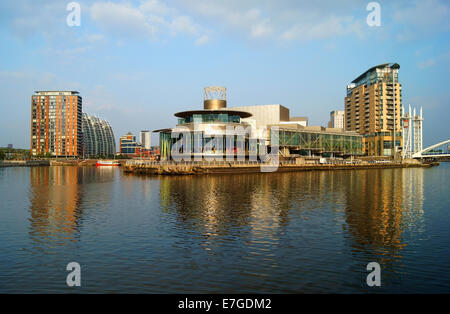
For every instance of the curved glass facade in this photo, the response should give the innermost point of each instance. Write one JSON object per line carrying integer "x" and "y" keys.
{"x": 210, "y": 117}
{"x": 98, "y": 137}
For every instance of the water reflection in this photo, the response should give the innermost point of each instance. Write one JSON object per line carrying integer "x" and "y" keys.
{"x": 377, "y": 204}
{"x": 56, "y": 201}
{"x": 284, "y": 232}
{"x": 413, "y": 198}
{"x": 373, "y": 206}
{"x": 217, "y": 204}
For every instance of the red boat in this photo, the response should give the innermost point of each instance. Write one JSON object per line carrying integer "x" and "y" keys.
{"x": 110, "y": 163}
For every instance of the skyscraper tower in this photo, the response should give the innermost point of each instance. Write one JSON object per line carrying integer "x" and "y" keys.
{"x": 372, "y": 108}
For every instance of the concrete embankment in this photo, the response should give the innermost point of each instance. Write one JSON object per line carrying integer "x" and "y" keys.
{"x": 76, "y": 162}
{"x": 24, "y": 163}
{"x": 191, "y": 169}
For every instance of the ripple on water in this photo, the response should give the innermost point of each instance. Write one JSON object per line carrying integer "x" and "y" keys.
{"x": 291, "y": 232}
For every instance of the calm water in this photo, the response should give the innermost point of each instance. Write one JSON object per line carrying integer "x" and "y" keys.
{"x": 296, "y": 232}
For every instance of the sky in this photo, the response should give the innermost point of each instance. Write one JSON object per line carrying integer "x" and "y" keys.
{"x": 136, "y": 63}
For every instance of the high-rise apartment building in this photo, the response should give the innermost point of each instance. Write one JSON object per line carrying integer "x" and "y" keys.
{"x": 56, "y": 123}
{"x": 337, "y": 119}
{"x": 98, "y": 137}
{"x": 370, "y": 111}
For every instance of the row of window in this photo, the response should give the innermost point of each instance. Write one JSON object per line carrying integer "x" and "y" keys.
{"x": 210, "y": 117}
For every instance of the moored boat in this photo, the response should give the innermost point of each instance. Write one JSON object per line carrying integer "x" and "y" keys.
{"x": 107, "y": 163}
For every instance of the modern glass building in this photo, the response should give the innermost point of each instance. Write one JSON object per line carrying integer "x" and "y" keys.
{"x": 128, "y": 144}
{"x": 320, "y": 141}
{"x": 56, "y": 126}
{"x": 207, "y": 130}
{"x": 98, "y": 137}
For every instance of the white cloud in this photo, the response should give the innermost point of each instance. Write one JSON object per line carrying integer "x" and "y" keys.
{"x": 421, "y": 18}
{"x": 27, "y": 17}
{"x": 151, "y": 19}
{"x": 247, "y": 20}
{"x": 122, "y": 19}
{"x": 202, "y": 40}
{"x": 183, "y": 24}
{"x": 154, "y": 7}
{"x": 423, "y": 13}
{"x": 288, "y": 20}
{"x": 262, "y": 29}
{"x": 330, "y": 27}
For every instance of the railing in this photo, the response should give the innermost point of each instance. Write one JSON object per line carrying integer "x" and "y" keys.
{"x": 192, "y": 163}
{"x": 328, "y": 161}
{"x": 435, "y": 153}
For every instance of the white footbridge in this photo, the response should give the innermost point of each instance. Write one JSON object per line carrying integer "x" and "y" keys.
{"x": 439, "y": 150}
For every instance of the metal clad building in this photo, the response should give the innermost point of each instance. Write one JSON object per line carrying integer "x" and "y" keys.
{"x": 263, "y": 115}
{"x": 98, "y": 137}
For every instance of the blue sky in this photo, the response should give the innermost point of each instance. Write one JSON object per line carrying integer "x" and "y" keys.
{"x": 135, "y": 63}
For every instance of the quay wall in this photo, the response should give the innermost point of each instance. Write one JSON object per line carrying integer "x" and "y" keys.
{"x": 24, "y": 163}
{"x": 195, "y": 169}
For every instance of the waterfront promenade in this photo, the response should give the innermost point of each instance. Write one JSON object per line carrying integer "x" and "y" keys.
{"x": 226, "y": 167}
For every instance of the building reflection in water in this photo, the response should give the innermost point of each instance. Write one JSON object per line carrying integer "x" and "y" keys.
{"x": 56, "y": 195}
{"x": 259, "y": 205}
{"x": 374, "y": 211}
{"x": 217, "y": 206}
{"x": 54, "y": 200}
{"x": 369, "y": 204}
{"x": 380, "y": 205}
